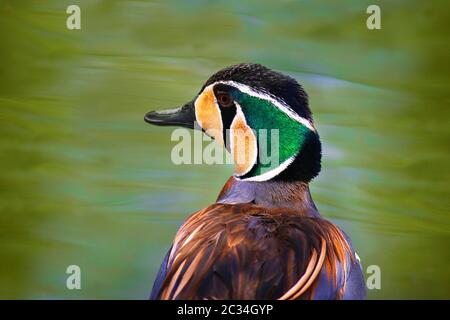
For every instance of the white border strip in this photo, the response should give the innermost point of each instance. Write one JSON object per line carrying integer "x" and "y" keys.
{"x": 279, "y": 104}
{"x": 271, "y": 173}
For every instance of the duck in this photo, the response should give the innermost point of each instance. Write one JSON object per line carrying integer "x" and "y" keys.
{"x": 263, "y": 238}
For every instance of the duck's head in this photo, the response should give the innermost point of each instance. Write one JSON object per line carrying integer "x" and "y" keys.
{"x": 237, "y": 104}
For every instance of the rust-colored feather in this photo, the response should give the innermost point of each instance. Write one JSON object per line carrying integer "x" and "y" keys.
{"x": 244, "y": 251}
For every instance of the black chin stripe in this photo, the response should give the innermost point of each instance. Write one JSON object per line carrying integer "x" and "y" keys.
{"x": 228, "y": 115}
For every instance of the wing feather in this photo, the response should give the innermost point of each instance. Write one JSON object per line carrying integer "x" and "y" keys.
{"x": 249, "y": 252}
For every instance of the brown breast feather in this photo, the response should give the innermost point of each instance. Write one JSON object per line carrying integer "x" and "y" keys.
{"x": 245, "y": 251}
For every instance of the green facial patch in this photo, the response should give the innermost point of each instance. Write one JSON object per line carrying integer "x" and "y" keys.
{"x": 279, "y": 136}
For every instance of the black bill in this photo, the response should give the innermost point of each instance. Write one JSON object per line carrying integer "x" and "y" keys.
{"x": 183, "y": 117}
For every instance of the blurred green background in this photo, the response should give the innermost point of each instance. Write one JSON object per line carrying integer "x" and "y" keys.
{"x": 85, "y": 181}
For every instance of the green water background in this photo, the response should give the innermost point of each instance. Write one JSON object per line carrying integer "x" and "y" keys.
{"x": 85, "y": 181}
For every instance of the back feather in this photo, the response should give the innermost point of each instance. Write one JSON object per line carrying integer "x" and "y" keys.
{"x": 245, "y": 251}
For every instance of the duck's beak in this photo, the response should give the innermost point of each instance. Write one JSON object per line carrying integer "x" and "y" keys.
{"x": 183, "y": 117}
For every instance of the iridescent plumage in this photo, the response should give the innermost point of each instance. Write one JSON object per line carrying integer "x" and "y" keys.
{"x": 264, "y": 237}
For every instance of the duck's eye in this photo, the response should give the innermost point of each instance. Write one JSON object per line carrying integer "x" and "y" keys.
{"x": 224, "y": 99}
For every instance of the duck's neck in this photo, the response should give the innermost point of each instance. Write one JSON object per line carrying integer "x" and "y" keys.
{"x": 271, "y": 194}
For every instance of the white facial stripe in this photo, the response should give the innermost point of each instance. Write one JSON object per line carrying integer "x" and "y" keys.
{"x": 261, "y": 95}
{"x": 271, "y": 173}
{"x": 280, "y": 105}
